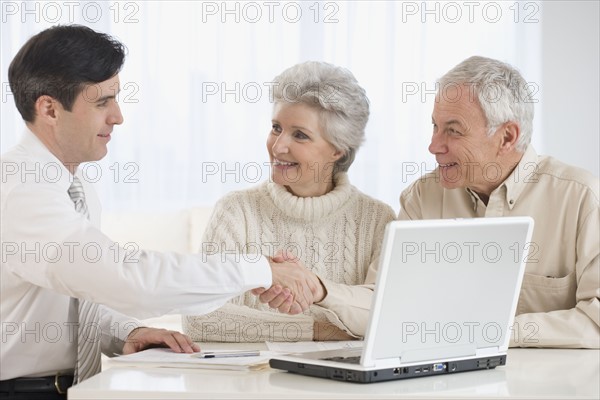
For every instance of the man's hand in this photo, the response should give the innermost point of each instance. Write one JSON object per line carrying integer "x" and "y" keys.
{"x": 294, "y": 287}
{"x": 144, "y": 338}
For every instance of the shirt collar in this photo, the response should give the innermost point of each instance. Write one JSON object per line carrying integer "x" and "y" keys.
{"x": 48, "y": 167}
{"x": 474, "y": 198}
{"x": 516, "y": 181}
{"x": 521, "y": 176}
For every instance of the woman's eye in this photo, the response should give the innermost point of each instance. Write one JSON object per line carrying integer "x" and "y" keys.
{"x": 276, "y": 128}
{"x": 300, "y": 135}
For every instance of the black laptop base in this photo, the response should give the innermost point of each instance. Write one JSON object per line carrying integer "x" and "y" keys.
{"x": 388, "y": 374}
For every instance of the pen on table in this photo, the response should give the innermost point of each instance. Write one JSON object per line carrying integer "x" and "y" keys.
{"x": 224, "y": 354}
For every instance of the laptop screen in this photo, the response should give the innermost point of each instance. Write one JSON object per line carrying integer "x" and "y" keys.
{"x": 447, "y": 288}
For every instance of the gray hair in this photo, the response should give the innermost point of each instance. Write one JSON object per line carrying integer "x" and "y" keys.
{"x": 502, "y": 92}
{"x": 343, "y": 105}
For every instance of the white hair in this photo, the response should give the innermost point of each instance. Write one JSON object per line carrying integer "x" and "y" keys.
{"x": 342, "y": 104}
{"x": 502, "y": 92}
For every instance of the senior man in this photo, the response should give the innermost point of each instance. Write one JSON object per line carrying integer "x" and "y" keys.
{"x": 482, "y": 126}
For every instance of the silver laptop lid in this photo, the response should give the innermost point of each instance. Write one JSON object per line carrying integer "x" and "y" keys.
{"x": 446, "y": 289}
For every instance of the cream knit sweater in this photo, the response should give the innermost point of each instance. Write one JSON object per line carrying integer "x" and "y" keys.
{"x": 337, "y": 235}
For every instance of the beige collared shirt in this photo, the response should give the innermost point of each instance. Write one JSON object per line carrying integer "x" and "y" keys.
{"x": 559, "y": 303}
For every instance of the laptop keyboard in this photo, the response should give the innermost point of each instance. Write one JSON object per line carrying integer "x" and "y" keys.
{"x": 348, "y": 360}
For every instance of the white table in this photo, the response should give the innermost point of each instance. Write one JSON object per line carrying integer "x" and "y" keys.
{"x": 529, "y": 373}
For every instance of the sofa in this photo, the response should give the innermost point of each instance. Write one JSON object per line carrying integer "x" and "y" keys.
{"x": 178, "y": 231}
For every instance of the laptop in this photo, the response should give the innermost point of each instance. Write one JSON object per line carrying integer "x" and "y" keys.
{"x": 444, "y": 302}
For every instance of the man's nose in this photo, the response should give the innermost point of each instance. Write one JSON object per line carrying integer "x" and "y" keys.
{"x": 438, "y": 143}
{"x": 116, "y": 117}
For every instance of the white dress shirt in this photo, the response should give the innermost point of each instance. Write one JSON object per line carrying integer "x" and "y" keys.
{"x": 51, "y": 253}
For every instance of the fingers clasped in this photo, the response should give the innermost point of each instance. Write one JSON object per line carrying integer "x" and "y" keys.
{"x": 294, "y": 287}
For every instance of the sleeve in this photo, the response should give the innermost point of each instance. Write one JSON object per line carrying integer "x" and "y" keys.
{"x": 52, "y": 246}
{"x": 348, "y": 306}
{"x": 578, "y": 327}
{"x": 240, "y": 324}
{"x": 243, "y": 319}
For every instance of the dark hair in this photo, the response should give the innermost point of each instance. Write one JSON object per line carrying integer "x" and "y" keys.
{"x": 58, "y": 62}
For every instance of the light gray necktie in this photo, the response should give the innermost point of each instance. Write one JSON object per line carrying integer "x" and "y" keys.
{"x": 88, "y": 338}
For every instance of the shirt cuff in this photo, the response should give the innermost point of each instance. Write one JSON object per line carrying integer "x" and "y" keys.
{"x": 114, "y": 339}
{"x": 333, "y": 296}
{"x": 256, "y": 273}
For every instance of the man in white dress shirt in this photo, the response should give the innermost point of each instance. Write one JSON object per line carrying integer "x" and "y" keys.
{"x": 65, "y": 82}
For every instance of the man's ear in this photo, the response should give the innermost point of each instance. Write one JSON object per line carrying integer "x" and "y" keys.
{"x": 47, "y": 109}
{"x": 511, "y": 132}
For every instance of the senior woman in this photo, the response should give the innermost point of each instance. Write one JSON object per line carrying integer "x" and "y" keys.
{"x": 308, "y": 208}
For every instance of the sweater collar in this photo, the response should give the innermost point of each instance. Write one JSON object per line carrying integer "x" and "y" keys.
{"x": 311, "y": 208}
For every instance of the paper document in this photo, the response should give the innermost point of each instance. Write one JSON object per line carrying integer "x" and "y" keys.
{"x": 305, "y": 347}
{"x": 161, "y": 357}
{"x": 168, "y": 358}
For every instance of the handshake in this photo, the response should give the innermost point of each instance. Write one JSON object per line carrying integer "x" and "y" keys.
{"x": 294, "y": 287}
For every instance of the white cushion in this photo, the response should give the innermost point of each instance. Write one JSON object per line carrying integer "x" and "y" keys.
{"x": 199, "y": 217}
{"x": 160, "y": 231}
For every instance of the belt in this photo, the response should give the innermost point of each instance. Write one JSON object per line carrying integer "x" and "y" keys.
{"x": 55, "y": 384}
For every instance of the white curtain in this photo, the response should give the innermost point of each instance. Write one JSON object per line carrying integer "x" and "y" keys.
{"x": 195, "y": 93}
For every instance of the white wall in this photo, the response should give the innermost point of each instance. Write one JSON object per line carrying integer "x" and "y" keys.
{"x": 557, "y": 48}
{"x": 570, "y": 89}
